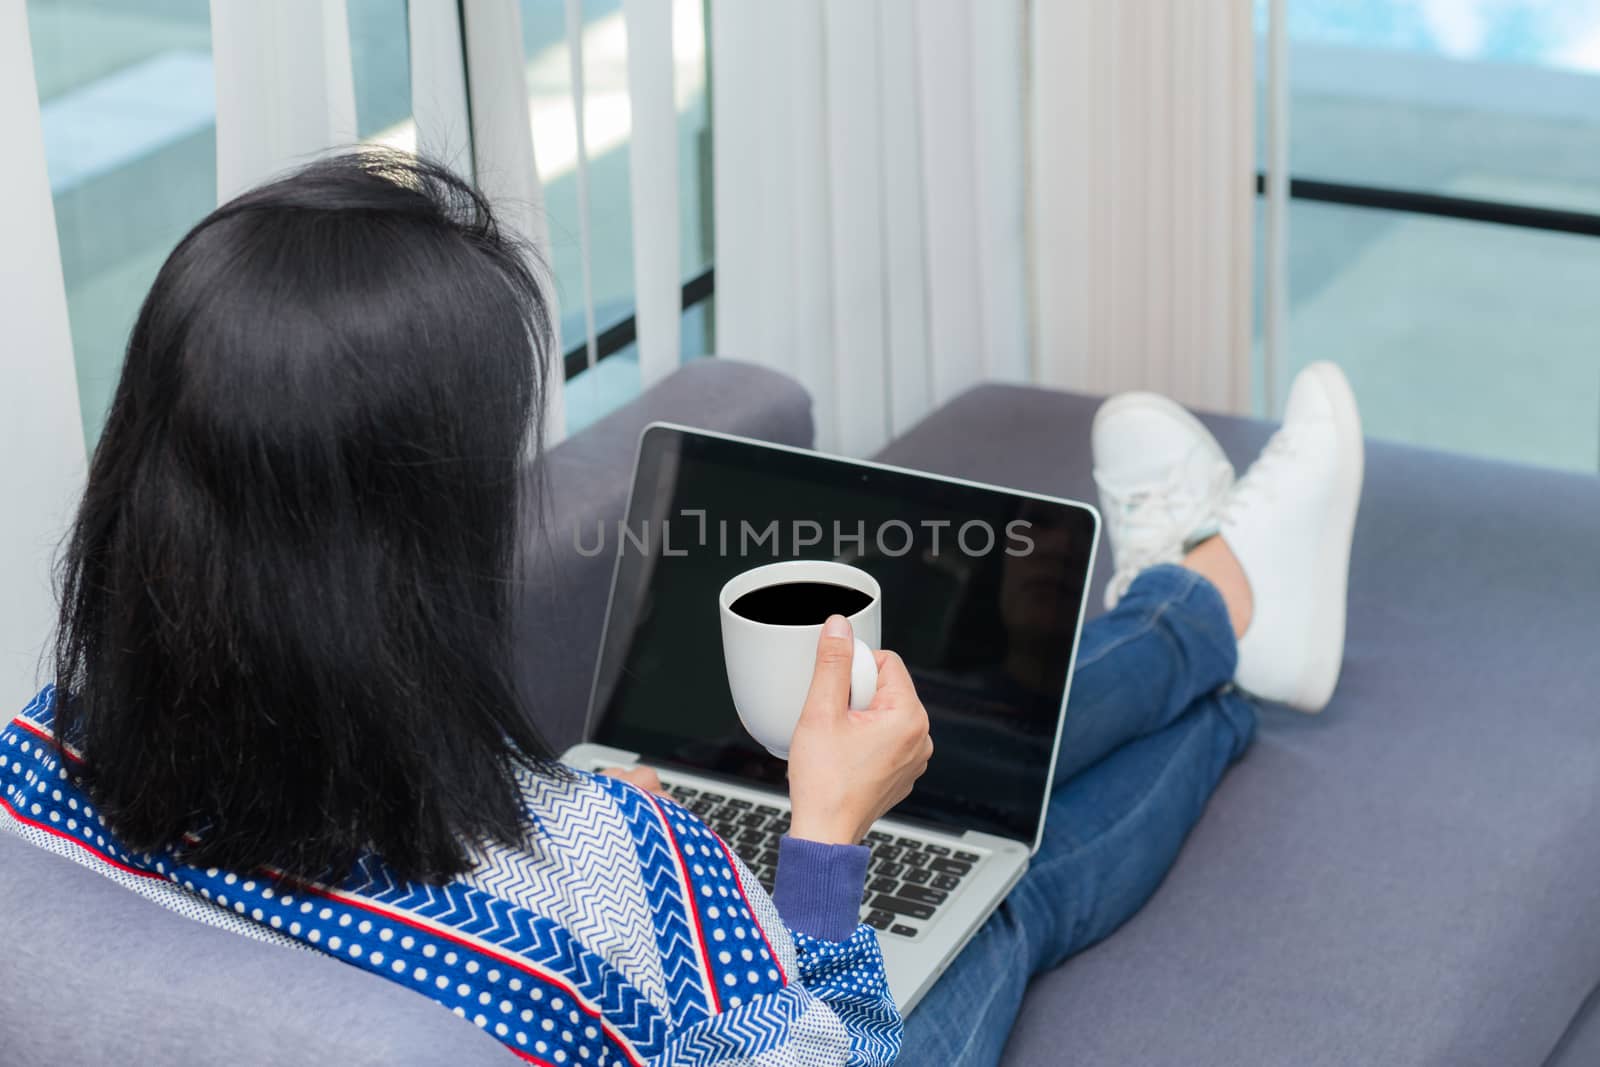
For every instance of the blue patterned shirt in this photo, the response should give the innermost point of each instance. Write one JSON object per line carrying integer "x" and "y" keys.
{"x": 622, "y": 932}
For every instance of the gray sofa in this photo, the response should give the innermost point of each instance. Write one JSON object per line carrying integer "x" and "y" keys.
{"x": 1411, "y": 878}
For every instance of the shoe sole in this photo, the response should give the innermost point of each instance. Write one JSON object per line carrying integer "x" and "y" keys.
{"x": 1333, "y": 575}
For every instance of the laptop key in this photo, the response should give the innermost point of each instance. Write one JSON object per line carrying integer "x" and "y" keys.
{"x": 922, "y": 894}
{"x": 944, "y": 866}
{"x": 883, "y": 885}
{"x": 878, "y": 837}
{"x": 755, "y": 820}
{"x": 890, "y": 853}
{"x": 769, "y": 858}
{"x": 918, "y": 859}
{"x": 744, "y": 805}
{"x": 936, "y": 850}
{"x": 715, "y": 798}
{"x": 903, "y": 930}
{"x": 751, "y": 837}
{"x": 891, "y": 869}
{"x": 919, "y": 875}
{"x": 880, "y": 920}
{"x": 967, "y": 857}
{"x": 900, "y": 906}
{"x": 767, "y": 809}
{"x": 945, "y": 881}
{"x": 906, "y": 842}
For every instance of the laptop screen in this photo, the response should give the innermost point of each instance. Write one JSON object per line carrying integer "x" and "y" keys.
{"x": 983, "y": 592}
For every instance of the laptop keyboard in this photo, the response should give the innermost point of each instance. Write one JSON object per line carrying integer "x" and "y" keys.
{"x": 907, "y": 880}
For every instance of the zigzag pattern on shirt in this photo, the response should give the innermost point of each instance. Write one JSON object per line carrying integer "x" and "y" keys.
{"x": 743, "y": 1034}
{"x": 675, "y": 936}
{"x": 741, "y": 963}
{"x": 578, "y": 869}
{"x": 519, "y": 933}
{"x": 41, "y": 710}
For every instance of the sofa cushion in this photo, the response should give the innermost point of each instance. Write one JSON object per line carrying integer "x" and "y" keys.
{"x": 1410, "y": 877}
{"x": 94, "y": 973}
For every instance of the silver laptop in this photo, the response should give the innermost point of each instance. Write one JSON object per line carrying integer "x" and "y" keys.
{"x": 983, "y": 596}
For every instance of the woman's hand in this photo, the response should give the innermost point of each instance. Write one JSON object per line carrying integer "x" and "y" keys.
{"x": 847, "y": 768}
{"x": 643, "y": 777}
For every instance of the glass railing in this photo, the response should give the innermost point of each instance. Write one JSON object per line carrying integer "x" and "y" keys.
{"x": 1478, "y": 336}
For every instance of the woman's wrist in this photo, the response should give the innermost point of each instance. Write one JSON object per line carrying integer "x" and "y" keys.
{"x": 824, "y": 830}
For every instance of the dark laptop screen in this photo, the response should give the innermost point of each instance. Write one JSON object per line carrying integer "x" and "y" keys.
{"x": 982, "y": 594}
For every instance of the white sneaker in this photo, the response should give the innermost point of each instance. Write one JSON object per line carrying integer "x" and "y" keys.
{"x": 1162, "y": 478}
{"x": 1289, "y": 522}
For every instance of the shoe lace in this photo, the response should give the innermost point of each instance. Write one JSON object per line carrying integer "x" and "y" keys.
{"x": 1143, "y": 522}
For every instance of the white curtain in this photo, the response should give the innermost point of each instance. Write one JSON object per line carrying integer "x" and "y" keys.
{"x": 1143, "y": 182}
{"x": 42, "y": 460}
{"x": 285, "y": 91}
{"x": 913, "y": 196}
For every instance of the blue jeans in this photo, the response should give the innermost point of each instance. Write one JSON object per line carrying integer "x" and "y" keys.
{"x": 1151, "y": 726}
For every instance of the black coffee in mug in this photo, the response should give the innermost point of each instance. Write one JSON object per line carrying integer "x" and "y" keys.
{"x": 799, "y": 603}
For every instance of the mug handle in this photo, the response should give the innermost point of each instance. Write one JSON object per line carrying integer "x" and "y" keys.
{"x": 863, "y": 677}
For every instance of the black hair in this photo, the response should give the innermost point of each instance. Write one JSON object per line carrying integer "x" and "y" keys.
{"x": 285, "y": 625}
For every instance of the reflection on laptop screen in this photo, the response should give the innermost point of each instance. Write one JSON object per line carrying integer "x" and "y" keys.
{"x": 982, "y": 591}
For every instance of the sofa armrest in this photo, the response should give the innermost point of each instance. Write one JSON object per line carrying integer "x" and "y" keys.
{"x": 561, "y": 601}
{"x": 95, "y": 973}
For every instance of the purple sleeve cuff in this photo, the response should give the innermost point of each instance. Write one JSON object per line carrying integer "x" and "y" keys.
{"x": 818, "y": 891}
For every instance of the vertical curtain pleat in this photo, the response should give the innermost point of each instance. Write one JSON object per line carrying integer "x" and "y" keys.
{"x": 1140, "y": 197}
{"x": 997, "y": 29}
{"x": 904, "y": 249}
{"x": 653, "y": 180}
{"x": 580, "y": 130}
{"x": 949, "y": 191}
{"x": 1156, "y": 281}
{"x": 1062, "y": 187}
{"x": 1190, "y": 287}
{"x": 737, "y": 160}
{"x": 809, "y": 302}
{"x": 503, "y": 159}
{"x": 439, "y": 84}
{"x": 770, "y": 224}
{"x": 285, "y": 90}
{"x": 856, "y": 193}
{"x": 1218, "y": 316}
{"x": 341, "y": 83}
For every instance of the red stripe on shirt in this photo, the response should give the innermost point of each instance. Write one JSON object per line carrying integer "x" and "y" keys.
{"x": 739, "y": 882}
{"x": 693, "y": 906}
{"x": 65, "y": 836}
{"x": 514, "y": 962}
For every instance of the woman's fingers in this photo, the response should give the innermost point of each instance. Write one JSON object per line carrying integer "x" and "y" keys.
{"x": 643, "y": 777}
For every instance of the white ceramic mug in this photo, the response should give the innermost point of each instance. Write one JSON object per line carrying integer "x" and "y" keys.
{"x": 770, "y": 665}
